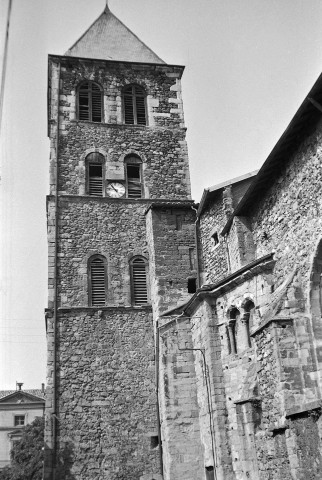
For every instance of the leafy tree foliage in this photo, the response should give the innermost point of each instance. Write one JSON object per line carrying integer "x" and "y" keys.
{"x": 27, "y": 454}
{"x": 5, "y": 473}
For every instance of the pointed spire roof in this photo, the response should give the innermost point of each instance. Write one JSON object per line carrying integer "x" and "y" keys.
{"x": 109, "y": 39}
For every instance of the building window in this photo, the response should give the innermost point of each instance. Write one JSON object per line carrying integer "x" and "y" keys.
{"x": 210, "y": 473}
{"x": 139, "y": 270}
{"x": 19, "y": 420}
{"x": 192, "y": 285}
{"x": 179, "y": 222}
{"x": 134, "y": 105}
{"x": 90, "y": 102}
{"x": 154, "y": 442}
{"x": 97, "y": 280}
{"x": 192, "y": 258}
{"x": 94, "y": 174}
{"x": 133, "y": 175}
{"x": 215, "y": 238}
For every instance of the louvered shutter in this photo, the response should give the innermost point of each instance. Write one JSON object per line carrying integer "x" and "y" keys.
{"x": 97, "y": 272}
{"x": 96, "y": 103}
{"x": 95, "y": 180}
{"x": 140, "y": 292}
{"x": 134, "y": 184}
{"x": 134, "y": 189}
{"x": 134, "y": 105}
{"x": 140, "y": 110}
{"x": 90, "y": 102}
{"x": 128, "y": 109}
{"x": 83, "y": 102}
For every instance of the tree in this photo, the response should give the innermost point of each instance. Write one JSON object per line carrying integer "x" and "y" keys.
{"x": 27, "y": 454}
{"x": 5, "y": 473}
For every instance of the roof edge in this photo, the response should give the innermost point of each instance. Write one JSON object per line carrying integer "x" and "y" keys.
{"x": 83, "y": 34}
{"x": 305, "y": 105}
{"x": 209, "y": 289}
{"x": 23, "y": 392}
{"x": 104, "y": 60}
{"x": 221, "y": 185}
{"x": 233, "y": 180}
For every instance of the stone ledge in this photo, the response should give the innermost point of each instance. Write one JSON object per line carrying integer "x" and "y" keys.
{"x": 104, "y": 309}
{"x": 69, "y": 60}
{"x": 305, "y": 407}
{"x": 228, "y": 283}
{"x": 278, "y": 426}
{"x": 127, "y": 126}
{"x": 152, "y": 476}
{"x": 155, "y": 204}
{"x": 279, "y": 322}
{"x": 166, "y": 322}
{"x": 138, "y": 201}
{"x": 248, "y": 400}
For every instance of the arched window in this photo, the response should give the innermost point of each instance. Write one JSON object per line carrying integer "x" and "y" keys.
{"x": 133, "y": 175}
{"x": 134, "y": 105}
{"x": 97, "y": 280}
{"x": 139, "y": 270}
{"x": 94, "y": 174}
{"x": 90, "y": 102}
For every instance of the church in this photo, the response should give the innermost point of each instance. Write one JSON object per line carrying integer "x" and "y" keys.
{"x": 184, "y": 339}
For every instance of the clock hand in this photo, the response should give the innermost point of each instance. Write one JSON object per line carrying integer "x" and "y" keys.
{"x": 113, "y": 187}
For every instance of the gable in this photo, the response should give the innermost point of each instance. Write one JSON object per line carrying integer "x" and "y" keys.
{"x": 20, "y": 398}
{"x": 109, "y": 39}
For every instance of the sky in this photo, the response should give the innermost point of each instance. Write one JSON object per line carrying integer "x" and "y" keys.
{"x": 249, "y": 65}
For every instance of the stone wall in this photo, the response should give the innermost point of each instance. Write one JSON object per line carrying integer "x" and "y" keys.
{"x": 171, "y": 243}
{"x": 240, "y": 244}
{"x": 161, "y": 144}
{"x": 97, "y": 226}
{"x": 182, "y": 448}
{"x": 219, "y": 259}
{"x": 214, "y": 260}
{"x": 304, "y": 445}
{"x": 214, "y": 429}
{"x": 106, "y": 416}
{"x": 261, "y": 384}
{"x": 106, "y": 393}
{"x": 287, "y": 220}
{"x": 272, "y": 386}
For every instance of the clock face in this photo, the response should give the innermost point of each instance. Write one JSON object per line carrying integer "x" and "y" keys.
{"x": 115, "y": 189}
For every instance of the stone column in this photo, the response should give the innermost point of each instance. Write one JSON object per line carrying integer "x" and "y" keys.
{"x": 232, "y": 336}
{"x": 245, "y": 329}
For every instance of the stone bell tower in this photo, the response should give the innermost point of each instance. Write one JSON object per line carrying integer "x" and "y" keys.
{"x": 120, "y": 237}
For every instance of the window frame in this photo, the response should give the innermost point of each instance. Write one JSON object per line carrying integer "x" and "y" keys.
{"x": 89, "y": 277}
{"x": 133, "y": 86}
{"x": 99, "y": 161}
{"x": 130, "y": 160}
{"x": 214, "y": 237}
{"x": 146, "y": 264}
{"x": 15, "y": 418}
{"x": 90, "y": 101}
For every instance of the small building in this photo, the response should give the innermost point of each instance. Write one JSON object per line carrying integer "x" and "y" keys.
{"x": 17, "y": 409}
